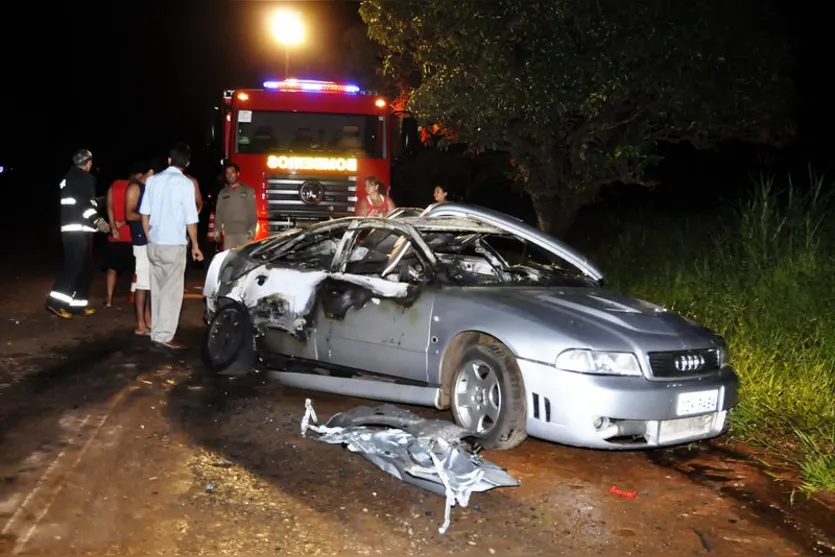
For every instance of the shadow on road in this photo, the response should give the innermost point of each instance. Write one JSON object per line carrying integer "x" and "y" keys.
{"x": 63, "y": 381}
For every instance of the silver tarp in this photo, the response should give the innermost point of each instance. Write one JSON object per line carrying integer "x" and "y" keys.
{"x": 430, "y": 454}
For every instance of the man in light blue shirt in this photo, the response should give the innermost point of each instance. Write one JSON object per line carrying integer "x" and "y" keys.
{"x": 168, "y": 211}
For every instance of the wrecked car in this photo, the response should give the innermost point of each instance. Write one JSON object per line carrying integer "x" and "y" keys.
{"x": 469, "y": 310}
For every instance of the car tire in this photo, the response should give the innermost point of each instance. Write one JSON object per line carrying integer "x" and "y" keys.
{"x": 235, "y": 354}
{"x": 506, "y": 394}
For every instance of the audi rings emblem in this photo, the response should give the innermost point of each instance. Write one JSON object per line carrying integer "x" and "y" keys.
{"x": 690, "y": 362}
{"x": 312, "y": 192}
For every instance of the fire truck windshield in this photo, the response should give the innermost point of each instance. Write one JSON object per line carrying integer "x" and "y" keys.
{"x": 265, "y": 131}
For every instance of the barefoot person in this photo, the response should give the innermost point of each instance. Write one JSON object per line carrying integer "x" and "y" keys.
{"x": 133, "y": 199}
{"x": 119, "y": 253}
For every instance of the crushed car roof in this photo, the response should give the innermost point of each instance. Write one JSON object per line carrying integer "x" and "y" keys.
{"x": 450, "y": 224}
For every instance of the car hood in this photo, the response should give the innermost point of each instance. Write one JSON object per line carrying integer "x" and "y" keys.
{"x": 596, "y": 316}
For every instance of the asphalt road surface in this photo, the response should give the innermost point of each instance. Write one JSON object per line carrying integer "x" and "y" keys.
{"x": 110, "y": 447}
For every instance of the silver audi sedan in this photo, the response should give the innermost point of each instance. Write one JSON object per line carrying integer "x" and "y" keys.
{"x": 473, "y": 311}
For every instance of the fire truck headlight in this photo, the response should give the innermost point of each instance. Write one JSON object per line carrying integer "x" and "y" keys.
{"x": 381, "y": 103}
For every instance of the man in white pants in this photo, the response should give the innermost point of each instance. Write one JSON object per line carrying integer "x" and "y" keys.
{"x": 168, "y": 211}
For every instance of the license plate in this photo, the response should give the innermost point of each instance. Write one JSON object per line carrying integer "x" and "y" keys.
{"x": 671, "y": 431}
{"x": 700, "y": 402}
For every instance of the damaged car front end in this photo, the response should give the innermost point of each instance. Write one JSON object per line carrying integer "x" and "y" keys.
{"x": 467, "y": 309}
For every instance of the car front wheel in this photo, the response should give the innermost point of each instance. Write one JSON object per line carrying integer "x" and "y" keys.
{"x": 488, "y": 397}
{"x": 229, "y": 341}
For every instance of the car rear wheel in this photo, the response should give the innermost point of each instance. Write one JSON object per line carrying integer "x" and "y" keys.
{"x": 488, "y": 397}
{"x": 229, "y": 341}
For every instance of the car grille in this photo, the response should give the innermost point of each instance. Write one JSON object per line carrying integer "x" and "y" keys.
{"x": 685, "y": 363}
{"x": 286, "y": 202}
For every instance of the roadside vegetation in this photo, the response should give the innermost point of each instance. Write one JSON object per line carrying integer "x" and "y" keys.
{"x": 761, "y": 274}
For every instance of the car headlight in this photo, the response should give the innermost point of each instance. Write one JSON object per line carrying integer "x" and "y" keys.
{"x": 599, "y": 363}
{"x": 723, "y": 356}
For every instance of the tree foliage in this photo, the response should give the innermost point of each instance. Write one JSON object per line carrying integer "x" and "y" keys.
{"x": 581, "y": 92}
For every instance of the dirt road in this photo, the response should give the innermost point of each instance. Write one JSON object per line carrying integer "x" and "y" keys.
{"x": 107, "y": 446}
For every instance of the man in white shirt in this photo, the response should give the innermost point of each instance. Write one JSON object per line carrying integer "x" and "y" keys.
{"x": 168, "y": 211}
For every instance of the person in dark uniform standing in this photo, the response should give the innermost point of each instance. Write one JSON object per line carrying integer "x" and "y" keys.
{"x": 80, "y": 217}
{"x": 236, "y": 216}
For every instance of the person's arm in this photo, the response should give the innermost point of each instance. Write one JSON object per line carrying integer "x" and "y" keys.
{"x": 145, "y": 209}
{"x": 131, "y": 202}
{"x": 198, "y": 197}
{"x": 361, "y": 208}
{"x": 252, "y": 215}
{"x": 190, "y": 209}
{"x": 111, "y": 215}
{"x": 390, "y": 204}
{"x": 220, "y": 217}
{"x": 88, "y": 199}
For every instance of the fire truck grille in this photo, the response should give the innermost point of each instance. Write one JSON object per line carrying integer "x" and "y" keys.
{"x": 293, "y": 198}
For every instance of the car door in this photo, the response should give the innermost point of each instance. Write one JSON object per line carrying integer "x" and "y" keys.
{"x": 371, "y": 322}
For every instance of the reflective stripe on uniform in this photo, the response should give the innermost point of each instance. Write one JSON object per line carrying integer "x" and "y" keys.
{"x": 78, "y": 303}
{"x": 67, "y": 201}
{"x": 88, "y": 213}
{"x": 61, "y": 297}
{"x": 77, "y": 228}
{"x": 63, "y": 184}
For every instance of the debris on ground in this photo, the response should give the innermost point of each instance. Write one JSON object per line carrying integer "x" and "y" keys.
{"x": 628, "y": 494}
{"x": 430, "y": 454}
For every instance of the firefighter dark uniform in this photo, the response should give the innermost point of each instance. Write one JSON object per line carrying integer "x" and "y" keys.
{"x": 80, "y": 218}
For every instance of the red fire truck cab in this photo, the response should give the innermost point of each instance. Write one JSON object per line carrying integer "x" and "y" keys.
{"x": 307, "y": 148}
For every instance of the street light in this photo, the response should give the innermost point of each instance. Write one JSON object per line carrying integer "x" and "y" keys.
{"x": 288, "y": 29}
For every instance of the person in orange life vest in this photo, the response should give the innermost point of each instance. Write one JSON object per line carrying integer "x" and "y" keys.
{"x": 375, "y": 203}
{"x": 119, "y": 254}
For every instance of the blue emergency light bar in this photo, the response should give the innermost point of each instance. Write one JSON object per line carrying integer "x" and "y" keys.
{"x": 311, "y": 86}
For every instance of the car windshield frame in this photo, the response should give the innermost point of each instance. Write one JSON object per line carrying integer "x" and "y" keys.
{"x": 469, "y": 250}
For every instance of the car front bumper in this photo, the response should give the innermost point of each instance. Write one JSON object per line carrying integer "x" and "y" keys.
{"x": 605, "y": 412}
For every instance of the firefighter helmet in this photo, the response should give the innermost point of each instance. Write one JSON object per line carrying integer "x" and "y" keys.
{"x": 82, "y": 157}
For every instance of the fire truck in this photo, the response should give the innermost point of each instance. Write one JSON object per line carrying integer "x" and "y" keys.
{"x": 307, "y": 147}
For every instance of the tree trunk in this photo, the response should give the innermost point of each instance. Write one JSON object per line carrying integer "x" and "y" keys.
{"x": 556, "y": 215}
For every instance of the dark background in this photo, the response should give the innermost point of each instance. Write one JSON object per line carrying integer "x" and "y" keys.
{"x": 125, "y": 79}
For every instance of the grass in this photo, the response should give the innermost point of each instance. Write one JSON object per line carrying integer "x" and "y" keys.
{"x": 762, "y": 274}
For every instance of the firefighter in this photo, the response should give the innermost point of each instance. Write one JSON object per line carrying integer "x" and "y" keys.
{"x": 79, "y": 219}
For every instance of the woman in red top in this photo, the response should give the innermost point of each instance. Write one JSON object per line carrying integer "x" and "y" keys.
{"x": 119, "y": 256}
{"x": 376, "y": 203}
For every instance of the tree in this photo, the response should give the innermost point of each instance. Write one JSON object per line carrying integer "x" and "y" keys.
{"x": 581, "y": 92}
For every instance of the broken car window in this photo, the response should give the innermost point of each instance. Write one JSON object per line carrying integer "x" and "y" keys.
{"x": 314, "y": 250}
{"x": 474, "y": 259}
{"x": 372, "y": 251}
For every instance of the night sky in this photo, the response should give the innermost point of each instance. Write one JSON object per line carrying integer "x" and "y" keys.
{"x": 125, "y": 79}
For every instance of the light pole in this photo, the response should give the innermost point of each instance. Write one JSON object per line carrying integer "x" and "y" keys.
{"x": 288, "y": 30}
